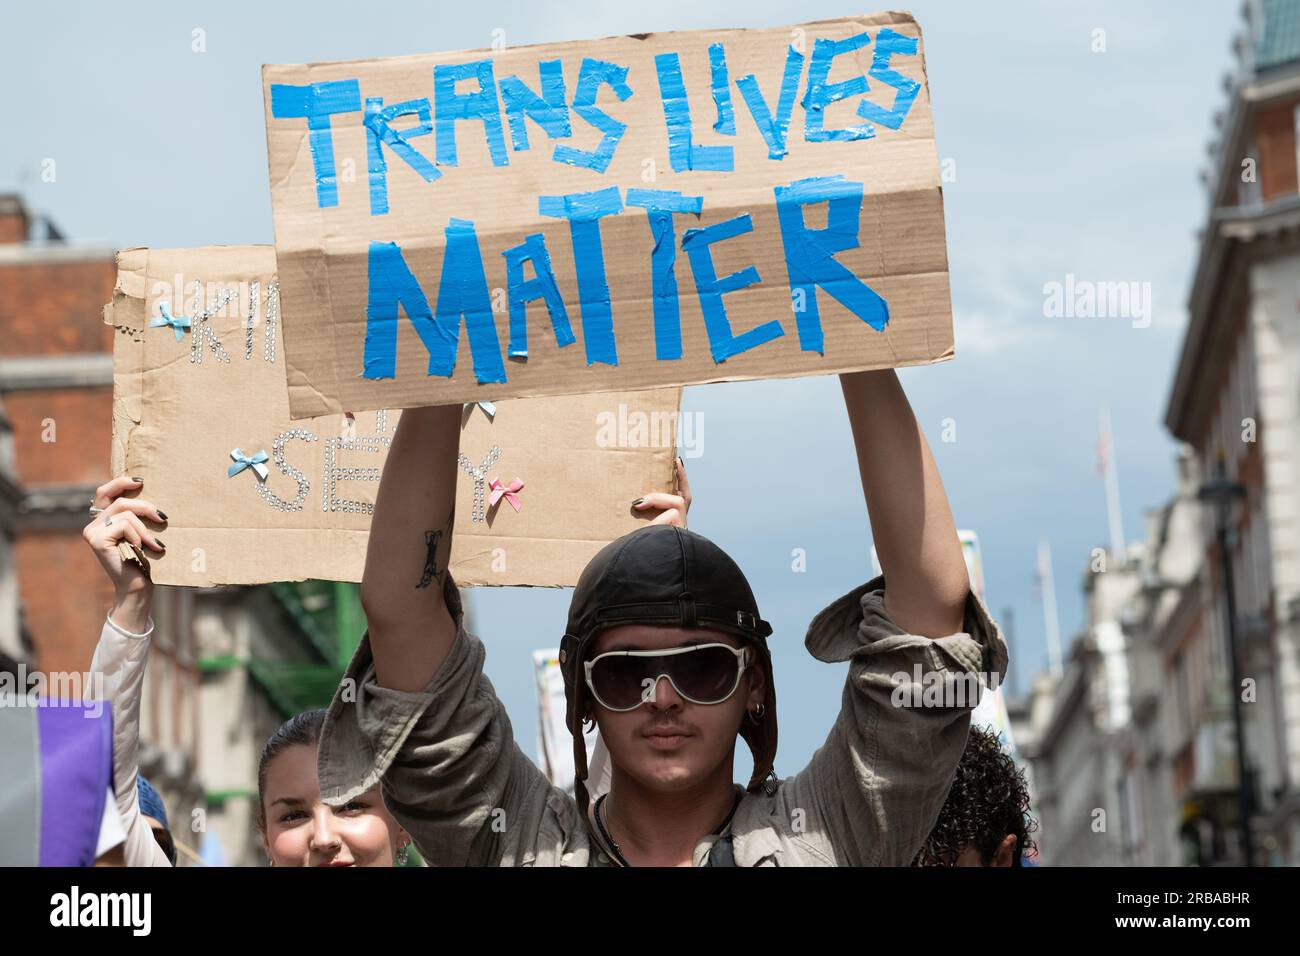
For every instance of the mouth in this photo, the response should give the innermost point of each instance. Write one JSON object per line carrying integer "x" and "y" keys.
{"x": 666, "y": 738}
{"x": 333, "y": 863}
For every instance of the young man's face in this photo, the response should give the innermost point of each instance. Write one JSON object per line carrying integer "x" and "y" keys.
{"x": 669, "y": 743}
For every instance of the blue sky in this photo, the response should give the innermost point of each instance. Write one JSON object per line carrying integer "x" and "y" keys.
{"x": 1068, "y": 161}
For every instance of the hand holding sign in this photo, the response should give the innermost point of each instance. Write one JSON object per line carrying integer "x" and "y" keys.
{"x": 672, "y": 507}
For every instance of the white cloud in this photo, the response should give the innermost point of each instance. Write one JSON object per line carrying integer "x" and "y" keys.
{"x": 981, "y": 332}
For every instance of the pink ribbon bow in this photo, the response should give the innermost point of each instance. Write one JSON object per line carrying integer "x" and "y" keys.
{"x": 510, "y": 493}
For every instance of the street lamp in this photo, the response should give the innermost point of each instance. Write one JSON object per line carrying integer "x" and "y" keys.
{"x": 1221, "y": 494}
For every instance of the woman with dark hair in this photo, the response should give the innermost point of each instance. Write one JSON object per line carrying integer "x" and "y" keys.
{"x": 296, "y": 827}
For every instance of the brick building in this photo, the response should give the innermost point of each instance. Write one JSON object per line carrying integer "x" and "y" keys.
{"x": 56, "y": 385}
{"x": 10, "y": 499}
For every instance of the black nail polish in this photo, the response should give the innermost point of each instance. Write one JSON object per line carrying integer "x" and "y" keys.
{"x": 138, "y": 480}
{"x": 163, "y": 515}
{"x": 158, "y": 541}
{"x": 638, "y": 501}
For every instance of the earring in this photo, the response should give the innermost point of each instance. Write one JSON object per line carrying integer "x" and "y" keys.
{"x": 404, "y": 854}
{"x": 757, "y": 713}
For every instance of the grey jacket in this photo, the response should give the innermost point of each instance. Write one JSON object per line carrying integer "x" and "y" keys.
{"x": 455, "y": 779}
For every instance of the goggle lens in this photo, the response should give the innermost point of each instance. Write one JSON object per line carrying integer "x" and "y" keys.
{"x": 707, "y": 674}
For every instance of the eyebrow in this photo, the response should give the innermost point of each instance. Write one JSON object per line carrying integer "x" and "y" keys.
{"x": 289, "y": 801}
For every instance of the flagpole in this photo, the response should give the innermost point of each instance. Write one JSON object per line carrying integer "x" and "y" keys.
{"x": 1113, "y": 509}
{"x": 1050, "y": 619}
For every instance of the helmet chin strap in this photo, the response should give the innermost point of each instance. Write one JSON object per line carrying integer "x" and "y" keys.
{"x": 579, "y": 751}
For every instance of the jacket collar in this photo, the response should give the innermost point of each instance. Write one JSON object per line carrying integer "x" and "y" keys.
{"x": 750, "y": 844}
{"x": 754, "y": 838}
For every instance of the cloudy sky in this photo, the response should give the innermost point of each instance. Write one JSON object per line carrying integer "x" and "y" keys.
{"x": 1067, "y": 160}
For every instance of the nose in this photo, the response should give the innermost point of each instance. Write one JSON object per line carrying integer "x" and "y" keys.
{"x": 664, "y": 696}
{"x": 323, "y": 835}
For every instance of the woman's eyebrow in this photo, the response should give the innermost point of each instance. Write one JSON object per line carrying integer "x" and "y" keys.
{"x": 289, "y": 801}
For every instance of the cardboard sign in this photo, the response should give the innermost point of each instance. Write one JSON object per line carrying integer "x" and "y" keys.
{"x": 200, "y": 412}
{"x": 607, "y": 215}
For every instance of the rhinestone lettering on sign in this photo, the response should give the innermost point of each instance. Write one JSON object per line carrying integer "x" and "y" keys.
{"x": 479, "y": 474}
{"x": 334, "y": 472}
{"x": 201, "y": 325}
{"x": 272, "y": 321}
{"x": 286, "y": 469}
{"x": 251, "y": 321}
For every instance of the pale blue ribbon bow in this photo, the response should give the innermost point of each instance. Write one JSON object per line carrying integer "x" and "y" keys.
{"x": 178, "y": 323}
{"x": 242, "y": 462}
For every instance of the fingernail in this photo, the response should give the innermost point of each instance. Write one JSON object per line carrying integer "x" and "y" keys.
{"x": 638, "y": 501}
{"x": 158, "y": 541}
{"x": 138, "y": 481}
{"x": 163, "y": 515}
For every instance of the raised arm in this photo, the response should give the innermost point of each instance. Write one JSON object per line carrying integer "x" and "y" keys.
{"x": 123, "y": 648}
{"x": 911, "y": 523}
{"x": 916, "y": 642}
{"x": 415, "y": 709}
{"x": 411, "y": 630}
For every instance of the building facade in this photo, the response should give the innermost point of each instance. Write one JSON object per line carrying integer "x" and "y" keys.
{"x": 1236, "y": 399}
{"x": 56, "y": 383}
{"x": 226, "y": 665}
{"x": 1140, "y": 725}
{"x": 1076, "y": 729}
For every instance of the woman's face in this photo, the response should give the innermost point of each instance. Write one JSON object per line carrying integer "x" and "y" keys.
{"x": 301, "y": 830}
{"x": 669, "y": 743}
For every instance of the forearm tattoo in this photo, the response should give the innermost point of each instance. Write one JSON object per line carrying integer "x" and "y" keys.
{"x": 432, "y": 539}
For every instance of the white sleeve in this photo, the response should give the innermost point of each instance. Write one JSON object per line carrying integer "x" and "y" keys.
{"x": 121, "y": 658}
{"x": 111, "y": 833}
